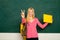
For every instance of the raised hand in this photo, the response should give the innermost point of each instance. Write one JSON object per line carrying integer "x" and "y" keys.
{"x": 23, "y": 13}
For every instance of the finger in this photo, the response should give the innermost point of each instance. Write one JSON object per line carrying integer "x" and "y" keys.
{"x": 24, "y": 11}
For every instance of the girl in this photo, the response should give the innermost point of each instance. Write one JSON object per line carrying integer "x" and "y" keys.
{"x": 32, "y": 22}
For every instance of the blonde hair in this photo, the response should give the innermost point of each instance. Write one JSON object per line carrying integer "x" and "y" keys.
{"x": 33, "y": 16}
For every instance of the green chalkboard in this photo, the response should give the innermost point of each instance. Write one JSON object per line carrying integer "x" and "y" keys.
{"x": 10, "y": 17}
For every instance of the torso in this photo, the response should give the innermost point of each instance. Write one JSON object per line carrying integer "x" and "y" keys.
{"x": 31, "y": 29}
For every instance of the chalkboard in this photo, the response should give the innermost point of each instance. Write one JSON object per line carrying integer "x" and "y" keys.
{"x": 10, "y": 17}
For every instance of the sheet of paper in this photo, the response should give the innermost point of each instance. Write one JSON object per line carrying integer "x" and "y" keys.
{"x": 47, "y": 18}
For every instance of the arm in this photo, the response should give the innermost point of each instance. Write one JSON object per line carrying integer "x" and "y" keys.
{"x": 41, "y": 25}
{"x": 23, "y": 20}
{"x": 23, "y": 16}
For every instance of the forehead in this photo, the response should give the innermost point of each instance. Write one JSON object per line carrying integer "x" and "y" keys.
{"x": 30, "y": 10}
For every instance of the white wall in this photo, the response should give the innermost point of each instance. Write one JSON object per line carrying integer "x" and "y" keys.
{"x": 42, "y": 36}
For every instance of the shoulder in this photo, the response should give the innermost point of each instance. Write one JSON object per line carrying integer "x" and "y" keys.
{"x": 36, "y": 19}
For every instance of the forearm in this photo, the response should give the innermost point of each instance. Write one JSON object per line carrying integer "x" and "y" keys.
{"x": 23, "y": 20}
{"x": 44, "y": 25}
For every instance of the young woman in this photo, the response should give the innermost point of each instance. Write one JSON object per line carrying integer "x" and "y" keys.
{"x": 32, "y": 22}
